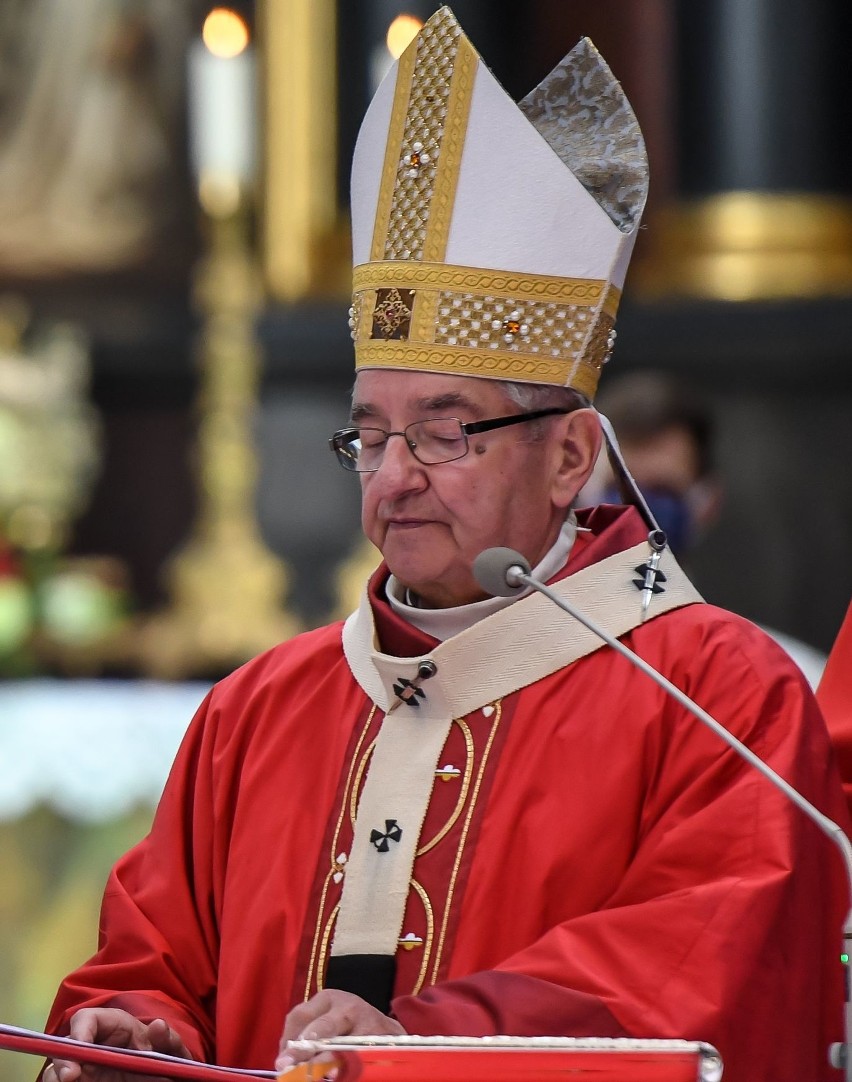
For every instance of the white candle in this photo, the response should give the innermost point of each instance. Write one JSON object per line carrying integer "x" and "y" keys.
{"x": 222, "y": 112}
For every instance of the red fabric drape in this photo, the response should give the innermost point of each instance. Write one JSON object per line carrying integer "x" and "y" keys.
{"x": 834, "y": 695}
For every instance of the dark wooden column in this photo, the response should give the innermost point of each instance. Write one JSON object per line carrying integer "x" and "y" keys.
{"x": 764, "y": 94}
{"x": 762, "y": 205}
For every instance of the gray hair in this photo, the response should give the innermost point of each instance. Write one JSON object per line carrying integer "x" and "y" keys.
{"x": 542, "y": 396}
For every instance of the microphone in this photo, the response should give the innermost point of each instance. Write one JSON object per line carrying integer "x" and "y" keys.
{"x": 496, "y": 570}
{"x": 505, "y": 573}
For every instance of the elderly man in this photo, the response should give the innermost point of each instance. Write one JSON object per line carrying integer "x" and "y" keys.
{"x": 457, "y": 814}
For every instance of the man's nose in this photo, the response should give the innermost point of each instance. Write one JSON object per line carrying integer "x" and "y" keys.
{"x": 399, "y": 467}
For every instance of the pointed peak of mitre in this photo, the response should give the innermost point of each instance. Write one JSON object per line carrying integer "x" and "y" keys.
{"x": 581, "y": 111}
{"x": 439, "y": 30}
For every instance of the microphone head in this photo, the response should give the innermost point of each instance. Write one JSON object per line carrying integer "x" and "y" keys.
{"x": 495, "y": 570}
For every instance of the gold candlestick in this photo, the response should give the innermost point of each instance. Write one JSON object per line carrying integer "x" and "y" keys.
{"x": 227, "y": 587}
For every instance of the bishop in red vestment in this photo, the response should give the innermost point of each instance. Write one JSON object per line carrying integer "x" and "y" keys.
{"x": 593, "y": 861}
{"x": 461, "y": 815}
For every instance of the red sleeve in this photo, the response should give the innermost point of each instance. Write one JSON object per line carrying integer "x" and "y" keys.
{"x": 834, "y": 695}
{"x": 731, "y": 895}
{"x": 157, "y": 945}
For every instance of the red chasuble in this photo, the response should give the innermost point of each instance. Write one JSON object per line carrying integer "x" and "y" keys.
{"x": 593, "y": 860}
{"x": 834, "y": 696}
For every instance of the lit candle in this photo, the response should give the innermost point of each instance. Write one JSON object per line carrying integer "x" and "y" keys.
{"x": 222, "y": 103}
{"x": 401, "y": 32}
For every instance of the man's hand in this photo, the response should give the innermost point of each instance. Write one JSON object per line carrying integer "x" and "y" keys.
{"x": 118, "y": 1029}
{"x": 330, "y": 1013}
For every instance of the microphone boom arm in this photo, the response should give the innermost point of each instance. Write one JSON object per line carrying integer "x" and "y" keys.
{"x": 517, "y": 575}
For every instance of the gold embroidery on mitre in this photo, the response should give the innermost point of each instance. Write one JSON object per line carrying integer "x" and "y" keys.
{"x": 449, "y": 277}
{"x": 562, "y": 324}
{"x": 392, "y": 313}
{"x": 489, "y": 364}
{"x": 399, "y": 113}
{"x": 425, "y": 88}
{"x": 440, "y": 210}
{"x": 600, "y": 340}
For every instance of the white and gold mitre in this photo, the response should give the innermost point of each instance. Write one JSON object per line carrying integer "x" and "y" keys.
{"x": 492, "y": 239}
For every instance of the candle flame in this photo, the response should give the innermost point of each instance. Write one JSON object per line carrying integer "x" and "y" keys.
{"x": 225, "y": 33}
{"x": 401, "y": 32}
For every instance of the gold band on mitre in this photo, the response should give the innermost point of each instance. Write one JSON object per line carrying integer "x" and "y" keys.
{"x": 470, "y": 321}
{"x": 491, "y": 239}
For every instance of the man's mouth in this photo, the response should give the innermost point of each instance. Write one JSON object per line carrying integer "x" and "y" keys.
{"x": 407, "y": 523}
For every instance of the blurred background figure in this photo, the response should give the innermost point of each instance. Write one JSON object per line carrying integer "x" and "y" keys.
{"x": 75, "y": 194}
{"x": 666, "y": 431}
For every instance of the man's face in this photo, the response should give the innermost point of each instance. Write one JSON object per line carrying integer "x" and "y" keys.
{"x": 430, "y": 522}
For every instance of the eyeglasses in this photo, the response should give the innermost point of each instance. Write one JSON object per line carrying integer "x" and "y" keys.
{"x": 435, "y": 440}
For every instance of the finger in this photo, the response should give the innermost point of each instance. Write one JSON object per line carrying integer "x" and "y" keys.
{"x": 109, "y": 1026}
{"x": 336, "y": 1022}
{"x": 63, "y": 1070}
{"x": 84, "y": 1026}
{"x": 301, "y": 1015}
{"x": 165, "y": 1039}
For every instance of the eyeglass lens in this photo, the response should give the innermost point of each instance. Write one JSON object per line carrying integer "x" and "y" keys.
{"x": 438, "y": 439}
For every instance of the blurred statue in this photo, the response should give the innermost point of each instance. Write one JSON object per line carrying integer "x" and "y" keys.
{"x": 49, "y": 459}
{"x": 87, "y": 111}
{"x": 48, "y": 431}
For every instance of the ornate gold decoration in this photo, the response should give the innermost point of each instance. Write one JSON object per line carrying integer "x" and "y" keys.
{"x": 227, "y": 587}
{"x": 493, "y": 364}
{"x": 392, "y": 313}
{"x": 399, "y": 110}
{"x": 449, "y": 165}
{"x": 449, "y": 277}
{"x": 483, "y": 321}
{"x": 424, "y": 316}
{"x": 324, "y": 928}
{"x": 406, "y": 194}
{"x": 428, "y": 943}
{"x": 750, "y": 245}
{"x": 464, "y": 789}
{"x": 497, "y": 717}
{"x": 465, "y": 806}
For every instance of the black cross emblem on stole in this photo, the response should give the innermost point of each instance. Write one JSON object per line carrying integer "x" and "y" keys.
{"x": 392, "y": 833}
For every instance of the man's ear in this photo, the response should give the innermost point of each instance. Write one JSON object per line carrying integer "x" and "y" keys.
{"x": 579, "y": 449}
